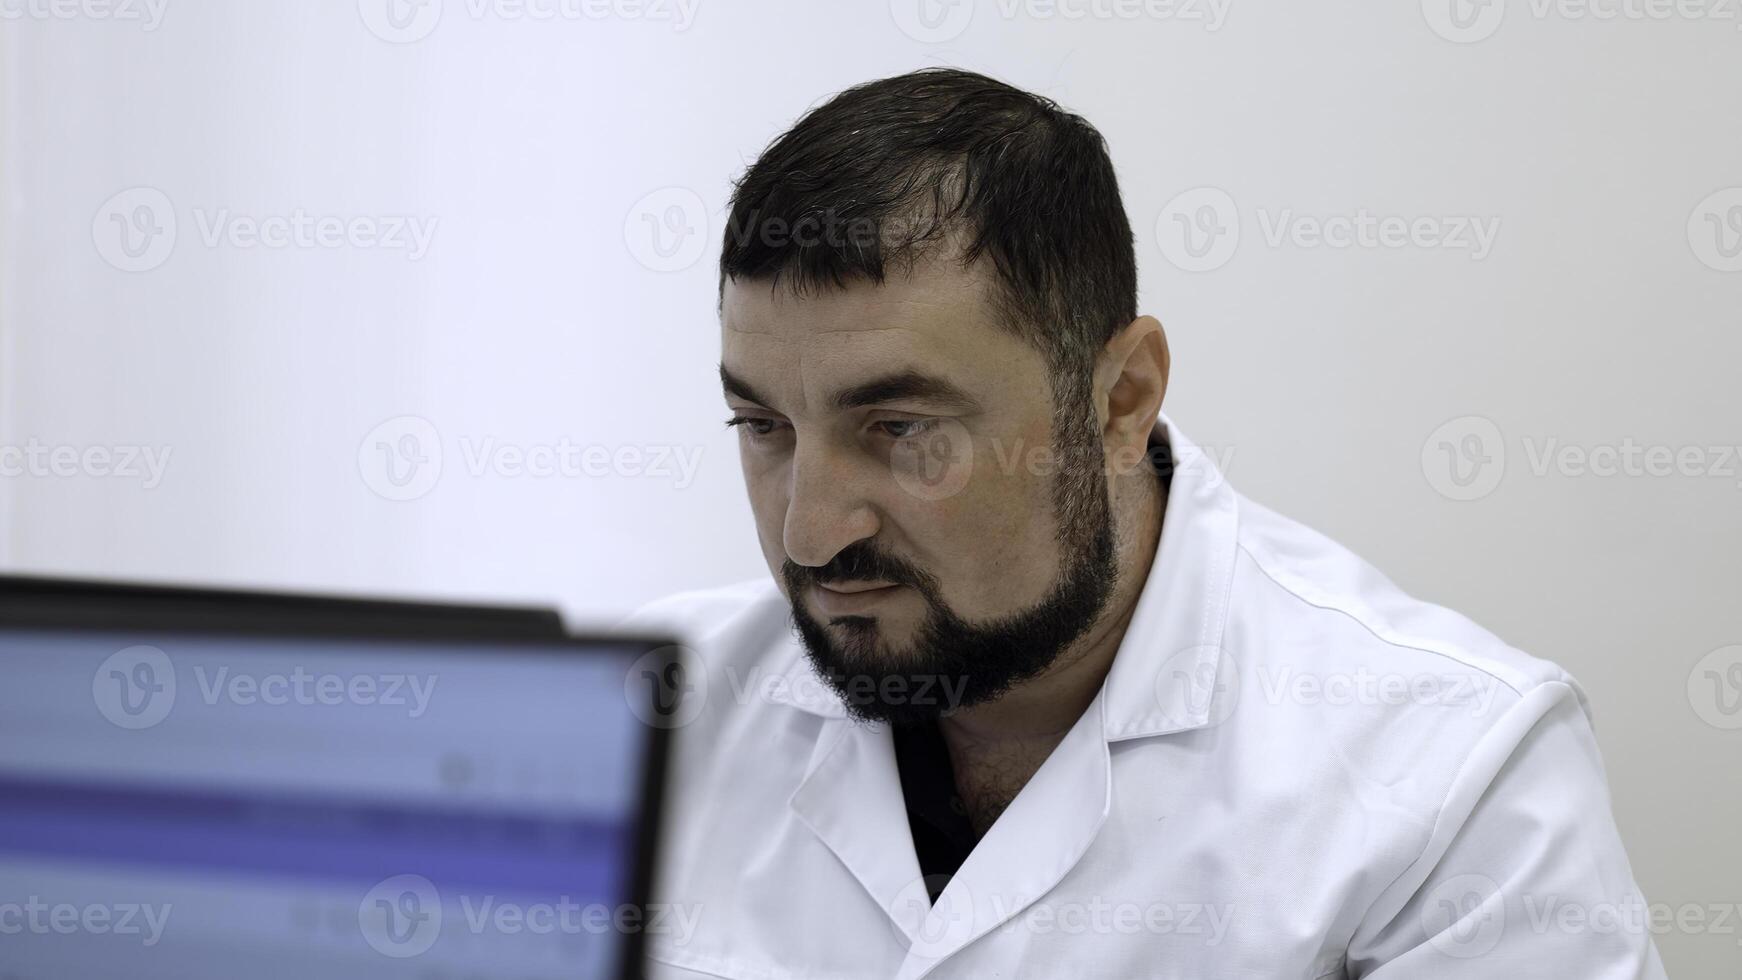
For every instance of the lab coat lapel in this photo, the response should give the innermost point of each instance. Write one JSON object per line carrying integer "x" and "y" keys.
{"x": 1172, "y": 673}
{"x": 852, "y": 800}
{"x": 1034, "y": 843}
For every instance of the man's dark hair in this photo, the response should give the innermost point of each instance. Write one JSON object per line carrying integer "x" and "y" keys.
{"x": 889, "y": 170}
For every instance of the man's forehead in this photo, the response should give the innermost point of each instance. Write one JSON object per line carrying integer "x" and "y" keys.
{"x": 934, "y": 322}
{"x": 933, "y": 297}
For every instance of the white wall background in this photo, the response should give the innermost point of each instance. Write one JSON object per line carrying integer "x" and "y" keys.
{"x": 543, "y": 310}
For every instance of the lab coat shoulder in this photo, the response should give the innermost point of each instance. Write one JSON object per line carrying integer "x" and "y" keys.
{"x": 1475, "y": 762}
{"x": 1316, "y": 573}
{"x": 1326, "y": 640}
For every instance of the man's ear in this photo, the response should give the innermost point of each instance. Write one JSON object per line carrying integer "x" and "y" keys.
{"x": 1131, "y": 380}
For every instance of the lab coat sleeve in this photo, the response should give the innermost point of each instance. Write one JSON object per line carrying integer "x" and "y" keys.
{"x": 1524, "y": 873}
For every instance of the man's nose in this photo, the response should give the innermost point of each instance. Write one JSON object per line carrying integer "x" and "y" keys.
{"x": 828, "y": 508}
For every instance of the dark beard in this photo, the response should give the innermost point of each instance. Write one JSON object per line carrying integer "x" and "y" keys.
{"x": 954, "y": 663}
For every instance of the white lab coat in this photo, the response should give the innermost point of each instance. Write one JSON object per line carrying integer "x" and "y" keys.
{"x": 1293, "y": 770}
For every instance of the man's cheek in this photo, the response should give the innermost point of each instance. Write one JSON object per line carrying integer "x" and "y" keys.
{"x": 988, "y": 539}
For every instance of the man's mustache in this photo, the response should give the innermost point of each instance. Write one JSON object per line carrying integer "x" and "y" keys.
{"x": 859, "y": 562}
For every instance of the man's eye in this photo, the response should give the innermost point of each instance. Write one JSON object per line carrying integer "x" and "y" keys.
{"x": 906, "y": 428}
{"x": 756, "y": 427}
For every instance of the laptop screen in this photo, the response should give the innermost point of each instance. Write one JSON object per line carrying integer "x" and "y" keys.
{"x": 189, "y": 804}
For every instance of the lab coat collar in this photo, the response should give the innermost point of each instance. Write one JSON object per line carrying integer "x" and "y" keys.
{"x": 1164, "y": 675}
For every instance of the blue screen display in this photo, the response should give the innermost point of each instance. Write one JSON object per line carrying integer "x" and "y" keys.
{"x": 201, "y": 805}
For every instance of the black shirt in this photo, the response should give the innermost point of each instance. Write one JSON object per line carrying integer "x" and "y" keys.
{"x": 943, "y": 836}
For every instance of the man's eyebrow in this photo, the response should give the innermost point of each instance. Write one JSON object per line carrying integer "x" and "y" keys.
{"x": 905, "y": 386}
{"x": 739, "y": 388}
